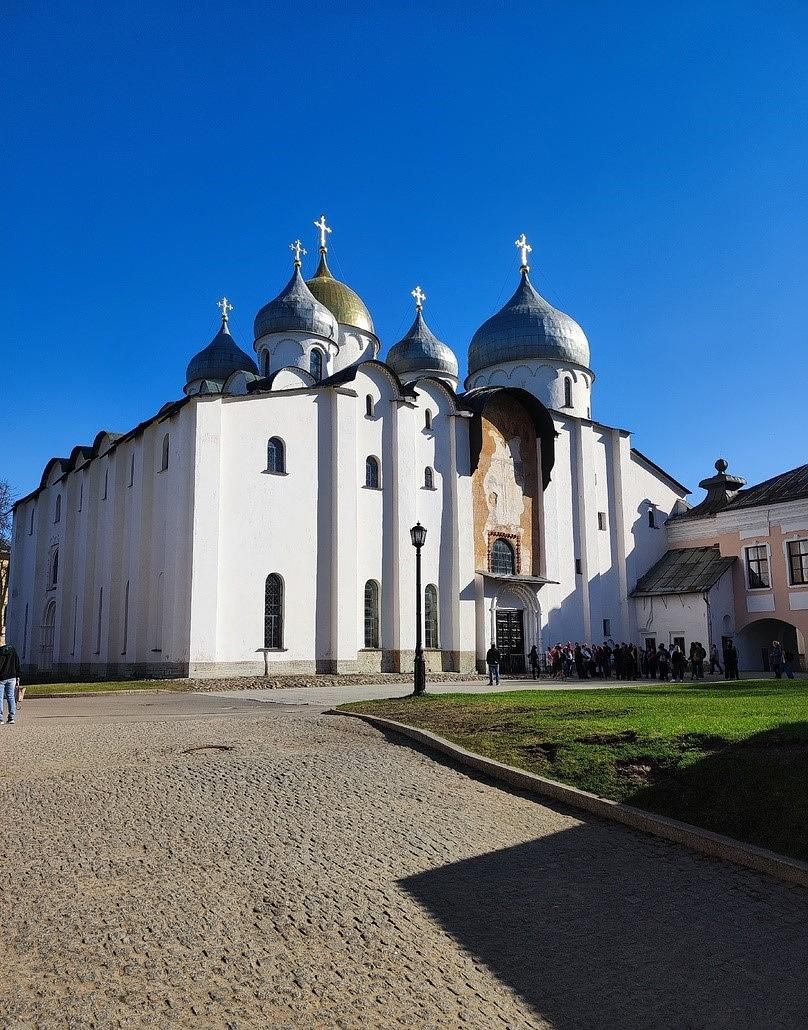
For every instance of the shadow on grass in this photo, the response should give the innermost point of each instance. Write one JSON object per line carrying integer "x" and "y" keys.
{"x": 755, "y": 790}
{"x": 595, "y": 926}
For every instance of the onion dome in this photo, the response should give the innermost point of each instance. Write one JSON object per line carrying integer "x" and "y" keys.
{"x": 296, "y": 308}
{"x": 420, "y": 350}
{"x": 221, "y": 357}
{"x": 528, "y": 328}
{"x": 345, "y": 305}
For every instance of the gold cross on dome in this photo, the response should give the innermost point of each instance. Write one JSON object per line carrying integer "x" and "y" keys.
{"x": 324, "y": 231}
{"x": 298, "y": 249}
{"x": 225, "y": 306}
{"x": 420, "y": 297}
{"x": 522, "y": 245}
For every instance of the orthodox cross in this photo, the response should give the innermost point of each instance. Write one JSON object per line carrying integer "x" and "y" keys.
{"x": 225, "y": 306}
{"x": 524, "y": 246}
{"x": 324, "y": 230}
{"x": 420, "y": 297}
{"x": 299, "y": 249}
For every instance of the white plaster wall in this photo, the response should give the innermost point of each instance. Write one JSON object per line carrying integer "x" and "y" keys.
{"x": 673, "y": 615}
{"x": 354, "y": 346}
{"x": 544, "y": 380}
{"x": 282, "y": 350}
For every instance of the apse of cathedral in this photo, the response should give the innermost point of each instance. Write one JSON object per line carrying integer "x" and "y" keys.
{"x": 261, "y": 522}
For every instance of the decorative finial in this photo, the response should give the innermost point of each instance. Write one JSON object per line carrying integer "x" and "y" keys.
{"x": 525, "y": 248}
{"x": 721, "y": 466}
{"x": 298, "y": 249}
{"x": 226, "y": 307}
{"x": 324, "y": 231}
{"x": 420, "y": 297}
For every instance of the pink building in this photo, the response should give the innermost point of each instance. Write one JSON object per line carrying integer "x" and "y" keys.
{"x": 737, "y": 567}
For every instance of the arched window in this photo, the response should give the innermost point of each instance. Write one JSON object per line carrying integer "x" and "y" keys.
{"x": 371, "y": 613}
{"x": 31, "y": 523}
{"x": 58, "y": 517}
{"x": 652, "y": 518}
{"x": 106, "y": 484}
{"x": 273, "y": 612}
{"x": 316, "y": 364}
{"x": 132, "y": 470}
{"x": 276, "y": 455}
{"x": 369, "y": 406}
{"x": 428, "y": 419}
{"x": 164, "y": 460}
{"x": 502, "y": 558}
{"x": 81, "y": 496}
{"x": 372, "y": 473}
{"x": 567, "y": 392}
{"x": 265, "y": 363}
{"x": 431, "y": 616}
{"x": 54, "y": 569}
{"x": 429, "y": 478}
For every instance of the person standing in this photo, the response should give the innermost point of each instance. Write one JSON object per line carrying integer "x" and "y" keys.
{"x": 534, "y": 662}
{"x": 731, "y": 662}
{"x": 492, "y": 661}
{"x": 663, "y": 662}
{"x": 788, "y": 658}
{"x": 677, "y": 664}
{"x": 9, "y": 681}
{"x": 714, "y": 660}
{"x": 776, "y": 659}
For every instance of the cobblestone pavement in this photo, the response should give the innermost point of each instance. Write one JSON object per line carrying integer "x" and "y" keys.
{"x": 176, "y": 861}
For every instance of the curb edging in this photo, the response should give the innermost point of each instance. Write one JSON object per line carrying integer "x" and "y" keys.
{"x": 715, "y": 845}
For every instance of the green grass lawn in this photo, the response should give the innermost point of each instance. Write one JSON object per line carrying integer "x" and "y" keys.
{"x": 729, "y": 758}
{"x": 96, "y": 687}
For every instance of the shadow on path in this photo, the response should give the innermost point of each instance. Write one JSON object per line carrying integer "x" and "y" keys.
{"x": 599, "y": 927}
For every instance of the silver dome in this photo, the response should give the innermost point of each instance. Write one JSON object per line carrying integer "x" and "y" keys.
{"x": 296, "y": 308}
{"x": 421, "y": 351}
{"x": 219, "y": 359}
{"x": 528, "y": 328}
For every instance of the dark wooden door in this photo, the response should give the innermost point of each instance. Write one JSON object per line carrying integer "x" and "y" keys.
{"x": 511, "y": 639}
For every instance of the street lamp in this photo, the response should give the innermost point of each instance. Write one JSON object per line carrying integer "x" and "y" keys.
{"x": 418, "y": 537}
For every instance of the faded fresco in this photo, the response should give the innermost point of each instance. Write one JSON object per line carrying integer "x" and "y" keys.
{"x": 505, "y": 486}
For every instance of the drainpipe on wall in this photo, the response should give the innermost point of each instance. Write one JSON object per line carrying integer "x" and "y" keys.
{"x": 709, "y": 622}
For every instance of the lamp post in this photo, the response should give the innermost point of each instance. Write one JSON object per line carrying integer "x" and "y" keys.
{"x": 418, "y": 537}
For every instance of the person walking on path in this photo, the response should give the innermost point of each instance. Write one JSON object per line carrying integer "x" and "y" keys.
{"x": 9, "y": 681}
{"x": 788, "y": 658}
{"x": 534, "y": 662}
{"x": 731, "y": 662}
{"x": 776, "y": 659}
{"x": 714, "y": 660}
{"x": 492, "y": 661}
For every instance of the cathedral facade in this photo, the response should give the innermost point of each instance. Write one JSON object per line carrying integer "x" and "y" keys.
{"x": 261, "y": 523}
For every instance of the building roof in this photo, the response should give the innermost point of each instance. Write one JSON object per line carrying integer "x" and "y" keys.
{"x": 420, "y": 350}
{"x": 220, "y": 358}
{"x": 788, "y": 486}
{"x": 296, "y": 308}
{"x": 691, "y": 570}
{"x": 344, "y": 303}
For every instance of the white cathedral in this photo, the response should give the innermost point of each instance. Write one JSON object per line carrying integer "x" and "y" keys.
{"x": 261, "y": 524}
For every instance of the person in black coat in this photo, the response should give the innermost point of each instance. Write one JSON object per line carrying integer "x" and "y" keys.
{"x": 9, "y": 681}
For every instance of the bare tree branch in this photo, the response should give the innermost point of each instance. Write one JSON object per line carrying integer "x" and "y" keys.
{"x": 6, "y": 501}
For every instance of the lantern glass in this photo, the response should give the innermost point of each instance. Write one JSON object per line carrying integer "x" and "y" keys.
{"x": 418, "y": 535}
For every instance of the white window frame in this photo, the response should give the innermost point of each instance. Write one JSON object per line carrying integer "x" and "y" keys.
{"x": 750, "y": 589}
{"x": 787, "y": 556}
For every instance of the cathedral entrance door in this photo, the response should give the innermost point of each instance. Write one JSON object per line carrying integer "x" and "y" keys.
{"x": 511, "y": 639}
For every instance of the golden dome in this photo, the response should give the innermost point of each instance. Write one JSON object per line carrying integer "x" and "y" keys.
{"x": 346, "y": 306}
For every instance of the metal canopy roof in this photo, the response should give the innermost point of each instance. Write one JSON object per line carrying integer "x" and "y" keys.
{"x": 691, "y": 570}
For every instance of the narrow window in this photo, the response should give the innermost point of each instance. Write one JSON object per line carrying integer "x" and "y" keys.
{"x": 652, "y": 518}
{"x": 567, "y": 392}
{"x": 25, "y": 632}
{"x": 431, "y": 616}
{"x": 601, "y": 520}
{"x": 502, "y": 558}
{"x": 31, "y": 524}
{"x": 132, "y": 470}
{"x": 276, "y": 455}
{"x": 98, "y": 626}
{"x": 798, "y": 561}
{"x": 125, "y": 618}
{"x": 371, "y": 613}
{"x": 757, "y": 567}
{"x": 58, "y": 517}
{"x": 578, "y": 567}
{"x": 273, "y": 612}
{"x": 164, "y": 459}
{"x": 428, "y": 419}
{"x": 54, "y": 578}
{"x": 158, "y": 620}
{"x": 106, "y": 484}
{"x": 81, "y": 495}
{"x": 316, "y": 364}
{"x": 75, "y": 623}
{"x": 372, "y": 473}
{"x": 607, "y": 628}
{"x": 266, "y": 362}
{"x": 368, "y": 406}
{"x": 429, "y": 478}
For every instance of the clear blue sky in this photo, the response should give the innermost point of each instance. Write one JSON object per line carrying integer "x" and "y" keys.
{"x": 156, "y": 157}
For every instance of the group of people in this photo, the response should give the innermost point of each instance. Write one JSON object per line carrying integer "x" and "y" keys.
{"x": 628, "y": 662}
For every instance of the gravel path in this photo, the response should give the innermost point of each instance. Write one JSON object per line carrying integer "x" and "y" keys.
{"x": 315, "y": 874}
